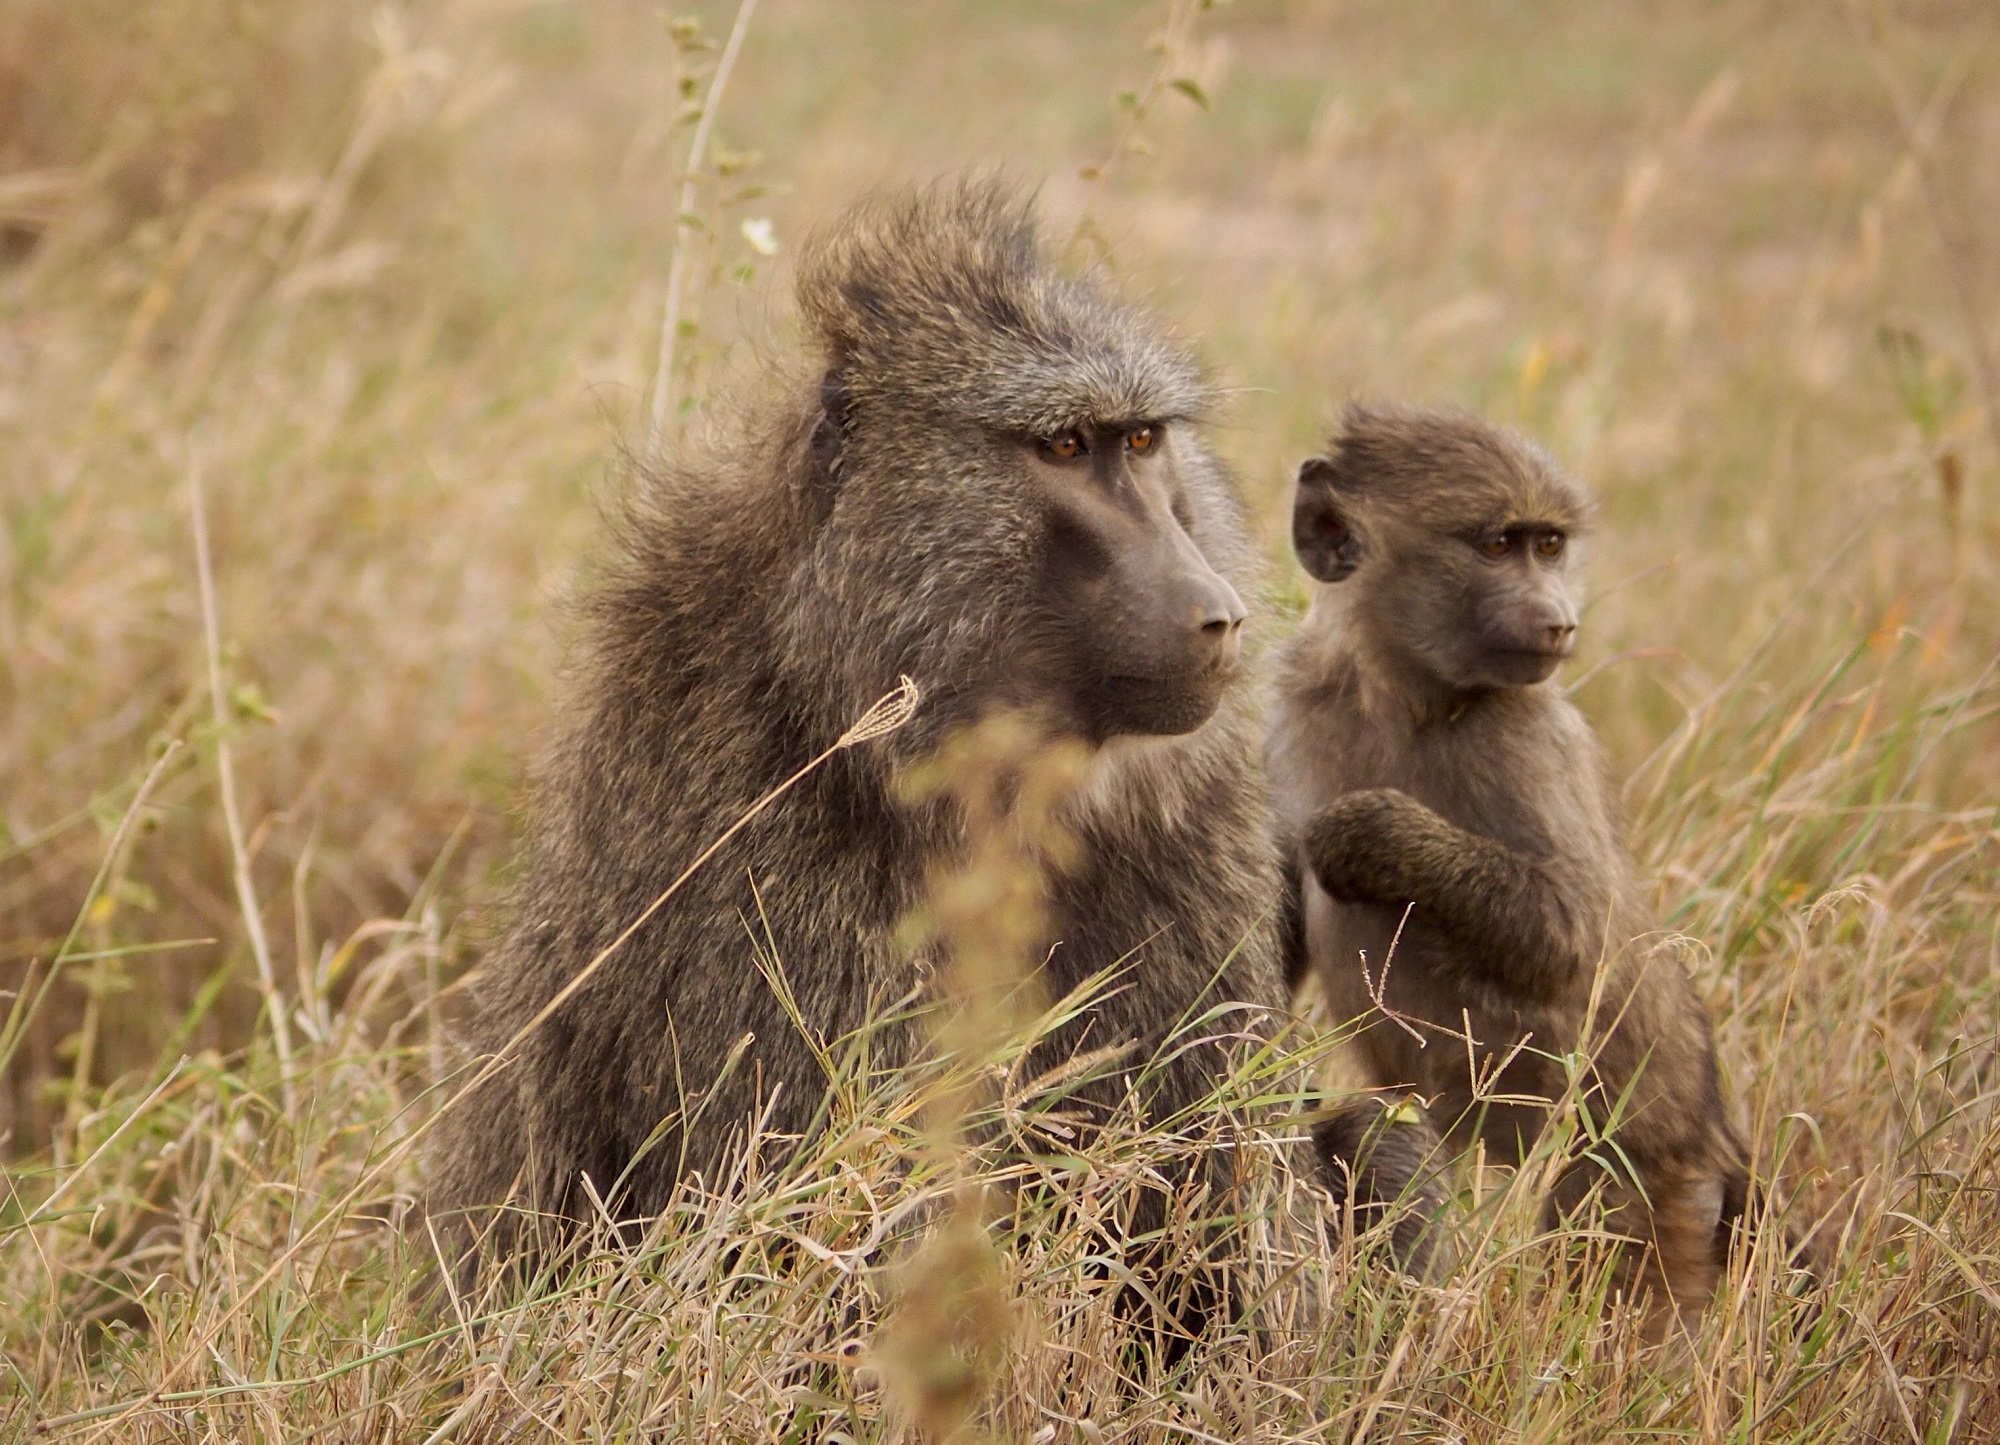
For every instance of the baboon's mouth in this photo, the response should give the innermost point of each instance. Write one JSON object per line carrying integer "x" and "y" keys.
{"x": 1194, "y": 679}
{"x": 1524, "y": 666}
{"x": 1160, "y": 705}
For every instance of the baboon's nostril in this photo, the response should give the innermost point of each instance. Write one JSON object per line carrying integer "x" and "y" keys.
{"x": 1224, "y": 611}
{"x": 1220, "y": 627}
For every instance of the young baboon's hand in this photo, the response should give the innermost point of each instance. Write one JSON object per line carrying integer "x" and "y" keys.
{"x": 1359, "y": 847}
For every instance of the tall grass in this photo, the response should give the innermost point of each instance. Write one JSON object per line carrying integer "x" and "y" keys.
{"x": 390, "y": 285}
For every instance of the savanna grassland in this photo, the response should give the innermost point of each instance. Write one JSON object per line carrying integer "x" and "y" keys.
{"x": 326, "y": 330}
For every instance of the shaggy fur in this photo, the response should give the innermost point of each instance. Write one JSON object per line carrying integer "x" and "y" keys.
{"x": 1412, "y": 773}
{"x": 875, "y": 520}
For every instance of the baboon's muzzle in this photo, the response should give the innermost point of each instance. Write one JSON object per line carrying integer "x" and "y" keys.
{"x": 1172, "y": 640}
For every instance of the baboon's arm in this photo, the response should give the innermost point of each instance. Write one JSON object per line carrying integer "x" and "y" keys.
{"x": 1524, "y": 925}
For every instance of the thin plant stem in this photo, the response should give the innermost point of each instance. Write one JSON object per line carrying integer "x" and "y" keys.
{"x": 670, "y": 321}
{"x": 239, "y": 855}
{"x": 1135, "y": 115}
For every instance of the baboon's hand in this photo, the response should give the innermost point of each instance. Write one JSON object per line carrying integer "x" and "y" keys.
{"x": 1360, "y": 848}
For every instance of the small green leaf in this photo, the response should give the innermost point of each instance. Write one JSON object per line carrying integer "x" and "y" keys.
{"x": 248, "y": 700}
{"x": 1191, "y": 90}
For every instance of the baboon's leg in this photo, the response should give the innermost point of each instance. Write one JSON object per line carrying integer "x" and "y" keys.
{"x": 1385, "y": 1157}
{"x": 1678, "y": 1225}
{"x": 1179, "y": 1278}
{"x": 1746, "y": 1207}
{"x": 1688, "y": 1217}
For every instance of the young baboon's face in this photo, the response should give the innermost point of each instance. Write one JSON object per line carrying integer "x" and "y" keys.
{"x": 1485, "y": 607}
{"x": 1452, "y": 543}
{"x": 1147, "y": 634}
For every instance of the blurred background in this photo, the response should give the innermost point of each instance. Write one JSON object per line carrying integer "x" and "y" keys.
{"x": 388, "y": 283}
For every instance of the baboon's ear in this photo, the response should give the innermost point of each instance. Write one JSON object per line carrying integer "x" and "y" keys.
{"x": 1326, "y": 544}
{"x": 830, "y": 429}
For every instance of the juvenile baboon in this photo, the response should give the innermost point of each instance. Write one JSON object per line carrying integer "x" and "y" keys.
{"x": 991, "y": 480}
{"x": 1445, "y": 794}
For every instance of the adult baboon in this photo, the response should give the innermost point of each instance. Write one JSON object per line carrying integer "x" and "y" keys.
{"x": 1446, "y": 795}
{"x": 991, "y": 481}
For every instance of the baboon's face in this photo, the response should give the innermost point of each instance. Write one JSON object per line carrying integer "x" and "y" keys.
{"x": 1144, "y": 633}
{"x": 1481, "y": 603}
{"x": 1491, "y": 607}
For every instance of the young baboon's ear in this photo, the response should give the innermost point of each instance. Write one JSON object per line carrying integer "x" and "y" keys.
{"x": 1326, "y": 544}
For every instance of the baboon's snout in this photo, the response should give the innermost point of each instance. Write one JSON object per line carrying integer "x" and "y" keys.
{"x": 1557, "y": 625}
{"x": 1197, "y": 617}
{"x": 1217, "y": 613}
{"x": 1161, "y": 630}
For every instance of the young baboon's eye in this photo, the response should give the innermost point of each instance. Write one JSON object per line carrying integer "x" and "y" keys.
{"x": 1065, "y": 446}
{"x": 1549, "y": 545}
{"x": 1140, "y": 439}
{"x": 1498, "y": 546}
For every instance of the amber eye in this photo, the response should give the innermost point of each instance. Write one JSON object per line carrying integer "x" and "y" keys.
{"x": 1550, "y": 545}
{"x": 1140, "y": 439}
{"x": 1496, "y": 546}
{"x": 1066, "y": 446}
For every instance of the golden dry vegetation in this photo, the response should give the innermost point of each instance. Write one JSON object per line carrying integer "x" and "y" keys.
{"x": 382, "y": 287}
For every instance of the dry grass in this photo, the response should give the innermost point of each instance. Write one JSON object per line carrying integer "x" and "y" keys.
{"x": 390, "y": 285}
